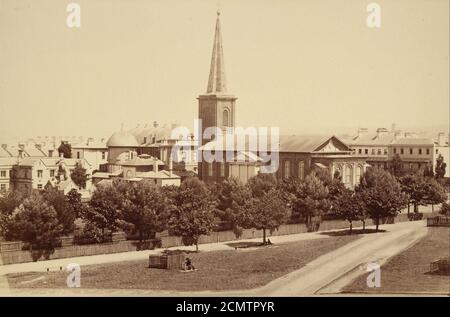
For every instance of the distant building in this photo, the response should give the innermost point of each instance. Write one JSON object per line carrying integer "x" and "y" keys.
{"x": 6, "y": 166}
{"x": 420, "y": 153}
{"x": 95, "y": 152}
{"x": 372, "y": 146}
{"x": 35, "y": 173}
{"x": 139, "y": 168}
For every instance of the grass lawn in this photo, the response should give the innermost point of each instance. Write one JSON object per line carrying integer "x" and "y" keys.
{"x": 243, "y": 268}
{"x": 409, "y": 271}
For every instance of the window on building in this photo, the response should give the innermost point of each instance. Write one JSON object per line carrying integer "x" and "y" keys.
{"x": 78, "y": 155}
{"x": 410, "y": 151}
{"x": 226, "y": 115}
{"x": 145, "y": 140}
{"x": 359, "y": 172}
{"x": 385, "y": 152}
{"x": 348, "y": 175}
{"x": 402, "y": 151}
{"x": 436, "y": 151}
{"x": 52, "y": 173}
{"x": 3, "y": 174}
{"x": 210, "y": 169}
{"x": 395, "y": 150}
{"x": 366, "y": 151}
{"x": 39, "y": 186}
{"x": 103, "y": 155}
{"x": 50, "y": 153}
{"x": 39, "y": 173}
{"x": 301, "y": 170}
{"x": 2, "y": 187}
{"x": 287, "y": 169}
{"x": 360, "y": 151}
{"x": 373, "y": 151}
{"x": 222, "y": 169}
{"x": 379, "y": 151}
{"x": 428, "y": 151}
{"x": 420, "y": 151}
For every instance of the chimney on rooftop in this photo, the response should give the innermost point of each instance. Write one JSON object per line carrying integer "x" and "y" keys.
{"x": 38, "y": 146}
{"x": 441, "y": 139}
{"x": 155, "y": 124}
{"x": 381, "y": 131}
{"x": 155, "y": 165}
{"x": 362, "y": 131}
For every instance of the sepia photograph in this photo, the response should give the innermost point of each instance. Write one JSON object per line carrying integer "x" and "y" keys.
{"x": 211, "y": 149}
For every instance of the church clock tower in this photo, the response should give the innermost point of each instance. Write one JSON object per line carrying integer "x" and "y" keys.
{"x": 216, "y": 108}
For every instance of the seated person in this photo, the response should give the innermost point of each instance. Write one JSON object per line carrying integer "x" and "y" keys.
{"x": 188, "y": 265}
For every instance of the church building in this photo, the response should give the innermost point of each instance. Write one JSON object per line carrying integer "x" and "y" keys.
{"x": 298, "y": 155}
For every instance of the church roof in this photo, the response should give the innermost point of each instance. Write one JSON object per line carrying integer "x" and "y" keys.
{"x": 287, "y": 143}
{"x": 217, "y": 79}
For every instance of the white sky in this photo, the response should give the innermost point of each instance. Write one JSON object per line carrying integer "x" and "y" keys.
{"x": 306, "y": 66}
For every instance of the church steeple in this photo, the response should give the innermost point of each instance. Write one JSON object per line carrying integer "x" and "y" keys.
{"x": 217, "y": 79}
{"x": 216, "y": 108}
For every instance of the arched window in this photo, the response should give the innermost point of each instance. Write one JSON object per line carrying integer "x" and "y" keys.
{"x": 301, "y": 170}
{"x": 226, "y": 118}
{"x": 359, "y": 172}
{"x": 348, "y": 175}
{"x": 287, "y": 169}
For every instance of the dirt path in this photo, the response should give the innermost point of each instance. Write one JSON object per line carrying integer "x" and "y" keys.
{"x": 330, "y": 272}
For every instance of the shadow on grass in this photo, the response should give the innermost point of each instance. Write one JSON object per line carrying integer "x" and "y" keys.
{"x": 177, "y": 251}
{"x": 339, "y": 233}
{"x": 248, "y": 244}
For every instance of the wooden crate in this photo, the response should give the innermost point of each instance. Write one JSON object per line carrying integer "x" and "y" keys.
{"x": 169, "y": 262}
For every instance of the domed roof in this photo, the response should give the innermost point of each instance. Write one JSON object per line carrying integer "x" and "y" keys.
{"x": 122, "y": 139}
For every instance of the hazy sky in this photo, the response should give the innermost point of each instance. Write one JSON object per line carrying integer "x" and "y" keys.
{"x": 303, "y": 65}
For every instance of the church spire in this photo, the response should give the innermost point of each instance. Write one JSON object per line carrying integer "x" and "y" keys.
{"x": 217, "y": 80}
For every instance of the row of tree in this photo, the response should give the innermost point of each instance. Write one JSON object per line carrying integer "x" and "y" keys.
{"x": 194, "y": 209}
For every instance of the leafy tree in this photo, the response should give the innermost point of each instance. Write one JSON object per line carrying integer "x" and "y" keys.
{"x": 103, "y": 208}
{"x": 428, "y": 171}
{"x": 334, "y": 184}
{"x": 268, "y": 212}
{"x": 194, "y": 212}
{"x": 381, "y": 194}
{"x": 396, "y": 166}
{"x": 8, "y": 203}
{"x": 440, "y": 167}
{"x": 261, "y": 184}
{"x": 79, "y": 176}
{"x": 233, "y": 199}
{"x": 409, "y": 185}
{"x": 348, "y": 206}
{"x": 36, "y": 223}
{"x": 434, "y": 193}
{"x": 74, "y": 202}
{"x": 311, "y": 198}
{"x": 145, "y": 207}
{"x": 66, "y": 149}
{"x": 57, "y": 199}
{"x": 422, "y": 191}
